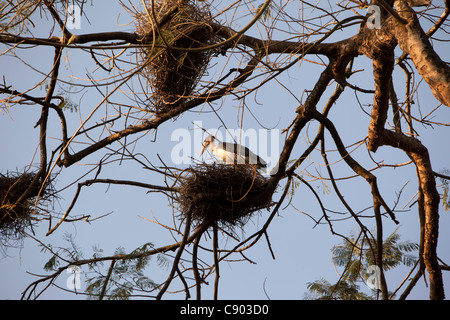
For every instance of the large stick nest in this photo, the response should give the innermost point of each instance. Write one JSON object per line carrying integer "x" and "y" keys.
{"x": 16, "y": 214}
{"x": 222, "y": 194}
{"x": 174, "y": 74}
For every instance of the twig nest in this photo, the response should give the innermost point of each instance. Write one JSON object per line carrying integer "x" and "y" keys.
{"x": 221, "y": 193}
{"x": 15, "y": 215}
{"x": 173, "y": 74}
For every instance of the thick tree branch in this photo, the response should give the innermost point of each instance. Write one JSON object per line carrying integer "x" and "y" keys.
{"x": 413, "y": 40}
{"x": 378, "y": 45}
{"x": 419, "y": 153}
{"x": 304, "y": 114}
{"x": 382, "y": 71}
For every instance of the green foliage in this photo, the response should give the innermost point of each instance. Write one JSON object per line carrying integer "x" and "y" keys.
{"x": 323, "y": 290}
{"x": 51, "y": 264}
{"x": 293, "y": 186}
{"x": 124, "y": 277}
{"x": 63, "y": 94}
{"x": 355, "y": 256}
{"x": 267, "y": 12}
{"x": 61, "y": 254}
{"x": 67, "y": 104}
{"x": 445, "y": 195}
{"x": 446, "y": 199}
{"x": 120, "y": 280}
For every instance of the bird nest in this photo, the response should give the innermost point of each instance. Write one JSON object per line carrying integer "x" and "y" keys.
{"x": 173, "y": 74}
{"x": 16, "y": 213}
{"x": 222, "y": 194}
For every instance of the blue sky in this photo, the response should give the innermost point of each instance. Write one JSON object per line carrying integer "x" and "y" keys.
{"x": 302, "y": 249}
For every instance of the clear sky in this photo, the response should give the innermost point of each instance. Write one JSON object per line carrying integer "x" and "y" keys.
{"x": 302, "y": 249}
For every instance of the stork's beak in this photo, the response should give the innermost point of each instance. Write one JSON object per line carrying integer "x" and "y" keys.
{"x": 205, "y": 144}
{"x": 203, "y": 148}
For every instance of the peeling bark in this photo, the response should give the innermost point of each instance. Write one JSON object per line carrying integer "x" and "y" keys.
{"x": 413, "y": 40}
{"x": 378, "y": 45}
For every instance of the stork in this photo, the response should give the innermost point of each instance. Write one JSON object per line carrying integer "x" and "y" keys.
{"x": 232, "y": 153}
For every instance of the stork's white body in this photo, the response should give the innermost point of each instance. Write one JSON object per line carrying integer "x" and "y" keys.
{"x": 232, "y": 153}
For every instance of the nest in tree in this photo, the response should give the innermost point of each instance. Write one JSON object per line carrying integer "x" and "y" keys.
{"x": 173, "y": 74}
{"x": 15, "y": 215}
{"x": 222, "y": 194}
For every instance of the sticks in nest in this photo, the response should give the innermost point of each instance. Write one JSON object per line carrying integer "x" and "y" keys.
{"x": 173, "y": 74}
{"x": 222, "y": 194}
{"x": 15, "y": 215}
